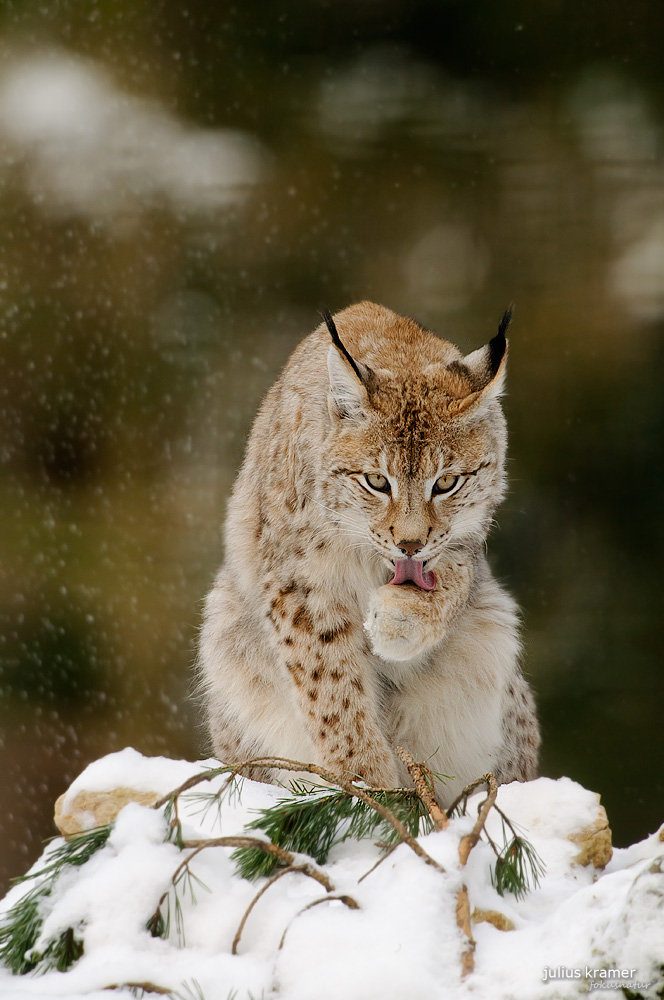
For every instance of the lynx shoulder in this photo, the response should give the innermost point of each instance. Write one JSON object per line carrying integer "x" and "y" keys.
{"x": 355, "y": 610}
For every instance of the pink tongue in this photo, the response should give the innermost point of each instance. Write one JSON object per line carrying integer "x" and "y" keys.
{"x": 410, "y": 571}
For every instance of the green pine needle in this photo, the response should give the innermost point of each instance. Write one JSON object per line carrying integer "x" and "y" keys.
{"x": 23, "y": 922}
{"x": 191, "y": 989}
{"x": 173, "y": 822}
{"x": 313, "y": 822}
{"x": 518, "y": 868}
{"x": 156, "y": 925}
{"x": 60, "y": 953}
{"x": 75, "y": 851}
{"x": 20, "y": 931}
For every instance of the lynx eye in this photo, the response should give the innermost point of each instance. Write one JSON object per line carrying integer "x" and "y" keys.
{"x": 377, "y": 482}
{"x": 445, "y": 484}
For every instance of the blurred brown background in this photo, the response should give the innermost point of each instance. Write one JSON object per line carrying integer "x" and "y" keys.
{"x": 182, "y": 188}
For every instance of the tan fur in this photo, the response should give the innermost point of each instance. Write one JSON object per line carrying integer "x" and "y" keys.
{"x": 306, "y": 650}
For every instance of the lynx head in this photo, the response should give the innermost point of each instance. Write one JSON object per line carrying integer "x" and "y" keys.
{"x": 416, "y": 449}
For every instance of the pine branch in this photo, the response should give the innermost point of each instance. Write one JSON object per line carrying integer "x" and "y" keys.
{"x": 61, "y": 952}
{"x": 308, "y": 824}
{"x": 295, "y": 834}
{"x": 305, "y": 825}
{"x": 405, "y": 835}
{"x": 195, "y": 779}
{"x": 518, "y": 868}
{"x": 285, "y": 857}
{"x": 159, "y": 925}
{"x": 312, "y": 823}
{"x": 346, "y": 782}
{"x": 75, "y": 851}
{"x": 23, "y": 922}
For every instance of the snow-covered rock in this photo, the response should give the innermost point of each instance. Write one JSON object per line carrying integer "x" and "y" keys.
{"x": 594, "y": 922}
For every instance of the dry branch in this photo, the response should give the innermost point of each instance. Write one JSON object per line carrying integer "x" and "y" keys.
{"x": 463, "y": 923}
{"x": 255, "y": 843}
{"x": 196, "y": 779}
{"x": 382, "y": 858}
{"x": 146, "y": 987}
{"x": 466, "y": 845}
{"x": 468, "y": 842}
{"x": 277, "y": 875}
{"x": 419, "y": 773}
{"x": 347, "y": 784}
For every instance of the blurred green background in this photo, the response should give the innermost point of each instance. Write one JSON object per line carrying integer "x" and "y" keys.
{"x": 182, "y": 188}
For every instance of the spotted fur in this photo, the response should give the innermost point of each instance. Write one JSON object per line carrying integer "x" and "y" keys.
{"x": 306, "y": 650}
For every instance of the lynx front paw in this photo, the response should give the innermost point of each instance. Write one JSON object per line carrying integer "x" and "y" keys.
{"x": 378, "y": 769}
{"x": 397, "y": 623}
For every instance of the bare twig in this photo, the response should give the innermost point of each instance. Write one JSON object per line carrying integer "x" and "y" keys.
{"x": 506, "y": 820}
{"x": 348, "y": 900}
{"x": 382, "y": 858}
{"x": 285, "y": 857}
{"x": 277, "y": 875}
{"x": 195, "y": 779}
{"x": 467, "y": 791}
{"x": 419, "y": 774}
{"x": 492, "y": 844}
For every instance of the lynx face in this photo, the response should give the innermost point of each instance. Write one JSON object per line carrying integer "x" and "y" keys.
{"x": 413, "y": 468}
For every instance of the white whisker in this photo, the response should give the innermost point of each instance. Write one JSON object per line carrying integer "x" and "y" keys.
{"x": 335, "y": 513}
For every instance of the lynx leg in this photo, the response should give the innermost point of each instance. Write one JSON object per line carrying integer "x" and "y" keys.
{"x": 251, "y": 710}
{"x": 324, "y": 657}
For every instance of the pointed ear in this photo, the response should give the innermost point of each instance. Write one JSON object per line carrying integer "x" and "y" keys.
{"x": 483, "y": 371}
{"x": 349, "y": 379}
{"x": 348, "y": 398}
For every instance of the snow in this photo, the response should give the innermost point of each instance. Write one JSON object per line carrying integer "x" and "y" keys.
{"x": 129, "y": 768}
{"x": 402, "y": 942}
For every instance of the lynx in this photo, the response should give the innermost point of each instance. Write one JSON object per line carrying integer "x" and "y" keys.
{"x": 355, "y": 610}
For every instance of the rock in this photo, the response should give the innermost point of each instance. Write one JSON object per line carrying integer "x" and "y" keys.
{"x": 88, "y": 810}
{"x": 499, "y": 920}
{"x": 594, "y": 841}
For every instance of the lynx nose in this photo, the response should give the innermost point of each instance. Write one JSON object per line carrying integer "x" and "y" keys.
{"x": 410, "y": 546}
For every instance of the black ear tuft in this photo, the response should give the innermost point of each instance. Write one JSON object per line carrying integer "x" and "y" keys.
{"x": 498, "y": 344}
{"x": 336, "y": 340}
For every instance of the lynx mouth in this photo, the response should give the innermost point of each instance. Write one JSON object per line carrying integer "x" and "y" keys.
{"x": 411, "y": 571}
